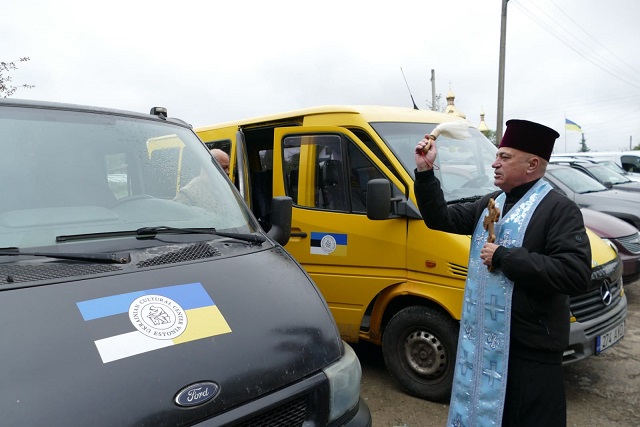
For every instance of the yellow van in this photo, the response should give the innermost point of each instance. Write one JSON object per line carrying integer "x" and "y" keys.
{"x": 387, "y": 278}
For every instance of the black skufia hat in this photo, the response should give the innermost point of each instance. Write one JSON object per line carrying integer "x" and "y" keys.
{"x": 531, "y": 137}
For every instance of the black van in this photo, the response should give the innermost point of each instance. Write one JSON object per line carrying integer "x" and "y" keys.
{"x": 137, "y": 289}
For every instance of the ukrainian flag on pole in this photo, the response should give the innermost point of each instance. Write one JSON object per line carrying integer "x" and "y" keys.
{"x": 569, "y": 125}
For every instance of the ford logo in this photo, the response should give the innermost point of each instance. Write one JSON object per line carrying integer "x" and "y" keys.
{"x": 197, "y": 394}
{"x": 605, "y": 293}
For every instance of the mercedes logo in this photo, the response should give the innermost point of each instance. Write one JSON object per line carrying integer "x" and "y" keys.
{"x": 605, "y": 293}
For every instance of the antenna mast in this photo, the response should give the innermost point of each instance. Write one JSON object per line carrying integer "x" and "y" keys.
{"x": 433, "y": 89}
{"x": 415, "y": 107}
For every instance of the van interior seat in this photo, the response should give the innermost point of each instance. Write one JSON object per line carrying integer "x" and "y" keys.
{"x": 293, "y": 185}
{"x": 333, "y": 186}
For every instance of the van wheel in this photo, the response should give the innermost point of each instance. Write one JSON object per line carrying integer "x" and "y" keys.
{"x": 419, "y": 348}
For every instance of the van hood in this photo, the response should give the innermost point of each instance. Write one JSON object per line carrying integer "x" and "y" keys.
{"x": 610, "y": 201}
{"x": 605, "y": 225}
{"x": 94, "y": 350}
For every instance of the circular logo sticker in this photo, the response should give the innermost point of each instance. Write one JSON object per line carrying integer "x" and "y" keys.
{"x": 158, "y": 317}
{"x": 328, "y": 244}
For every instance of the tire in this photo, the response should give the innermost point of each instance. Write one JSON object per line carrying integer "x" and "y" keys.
{"x": 419, "y": 348}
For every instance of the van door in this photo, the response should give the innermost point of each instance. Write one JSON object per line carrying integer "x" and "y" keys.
{"x": 243, "y": 172}
{"x": 325, "y": 171}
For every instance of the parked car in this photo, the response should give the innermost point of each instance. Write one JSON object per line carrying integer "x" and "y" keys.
{"x": 627, "y": 160}
{"x": 605, "y": 175}
{"x": 633, "y": 176}
{"x": 622, "y": 236}
{"x": 589, "y": 193}
{"x": 122, "y": 305}
{"x": 606, "y": 161}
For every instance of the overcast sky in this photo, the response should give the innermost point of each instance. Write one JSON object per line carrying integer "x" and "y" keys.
{"x": 211, "y": 61}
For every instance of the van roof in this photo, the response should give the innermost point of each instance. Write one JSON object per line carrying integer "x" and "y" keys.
{"x": 371, "y": 113}
{"x": 49, "y": 105}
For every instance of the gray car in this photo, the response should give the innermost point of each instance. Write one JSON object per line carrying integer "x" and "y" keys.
{"x": 601, "y": 173}
{"x": 589, "y": 193}
{"x": 633, "y": 176}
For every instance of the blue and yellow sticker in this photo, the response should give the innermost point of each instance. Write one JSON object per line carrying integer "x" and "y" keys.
{"x": 334, "y": 244}
{"x": 157, "y": 318}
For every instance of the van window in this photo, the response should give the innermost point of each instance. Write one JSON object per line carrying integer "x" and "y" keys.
{"x": 464, "y": 166}
{"x": 95, "y": 173}
{"x": 332, "y": 169}
{"x": 630, "y": 163}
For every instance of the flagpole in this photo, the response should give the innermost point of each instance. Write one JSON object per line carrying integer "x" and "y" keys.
{"x": 565, "y": 132}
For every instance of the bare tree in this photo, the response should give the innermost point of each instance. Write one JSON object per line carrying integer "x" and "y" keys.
{"x": 6, "y": 88}
{"x": 436, "y": 104}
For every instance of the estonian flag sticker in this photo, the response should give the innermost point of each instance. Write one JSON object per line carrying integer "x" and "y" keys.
{"x": 151, "y": 319}
{"x": 328, "y": 244}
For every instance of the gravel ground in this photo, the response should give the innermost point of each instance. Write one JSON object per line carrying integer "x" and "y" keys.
{"x": 601, "y": 391}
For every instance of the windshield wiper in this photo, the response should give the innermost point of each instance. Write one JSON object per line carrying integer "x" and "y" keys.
{"x": 464, "y": 200}
{"x": 152, "y": 232}
{"x": 112, "y": 258}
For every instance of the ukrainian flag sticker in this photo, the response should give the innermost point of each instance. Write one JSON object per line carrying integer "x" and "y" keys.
{"x": 153, "y": 319}
{"x": 328, "y": 244}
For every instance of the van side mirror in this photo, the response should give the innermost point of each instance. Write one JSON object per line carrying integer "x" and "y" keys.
{"x": 281, "y": 211}
{"x": 378, "y": 199}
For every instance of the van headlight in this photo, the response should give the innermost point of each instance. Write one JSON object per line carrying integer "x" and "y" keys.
{"x": 610, "y": 243}
{"x": 344, "y": 383}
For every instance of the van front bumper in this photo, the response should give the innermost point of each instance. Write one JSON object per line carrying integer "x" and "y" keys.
{"x": 305, "y": 402}
{"x": 583, "y": 336}
{"x": 360, "y": 416}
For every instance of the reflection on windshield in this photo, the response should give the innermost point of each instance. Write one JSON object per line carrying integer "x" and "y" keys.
{"x": 612, "y": 165}
{"x": 605, "y": 174}
{"x": 464, "y": 165}
{"x": 70, "y": 173}
{"x": 578, "y": 182}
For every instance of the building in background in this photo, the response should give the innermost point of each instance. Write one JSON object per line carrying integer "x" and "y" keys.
{"x": 451, "y": 108}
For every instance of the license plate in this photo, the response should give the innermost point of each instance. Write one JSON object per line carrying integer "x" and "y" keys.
{"x": 609, "y": 338}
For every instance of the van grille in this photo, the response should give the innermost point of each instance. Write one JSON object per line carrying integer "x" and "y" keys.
{"x": 590, "y": 305}
{"x": 17, "y": 273}
{"x": 190, "y": 253}
{"x": 290, "y": 414}
{"x": 631, "y": 243}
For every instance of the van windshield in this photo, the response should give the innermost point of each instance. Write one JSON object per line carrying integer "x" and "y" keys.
{"x": 74, "y": 172}
{"x": 464, "y": 165}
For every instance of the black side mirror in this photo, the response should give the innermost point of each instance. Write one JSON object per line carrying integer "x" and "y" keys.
{"x": 281, "y": 212}
{"x": 378, "y": 199}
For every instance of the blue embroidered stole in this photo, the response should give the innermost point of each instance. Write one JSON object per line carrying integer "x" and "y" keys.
{"x": 479, "y": 382}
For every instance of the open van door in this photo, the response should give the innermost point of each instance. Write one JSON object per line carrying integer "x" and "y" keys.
{"x": 243, "y": 183}
{"x": 325, "y": 170}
